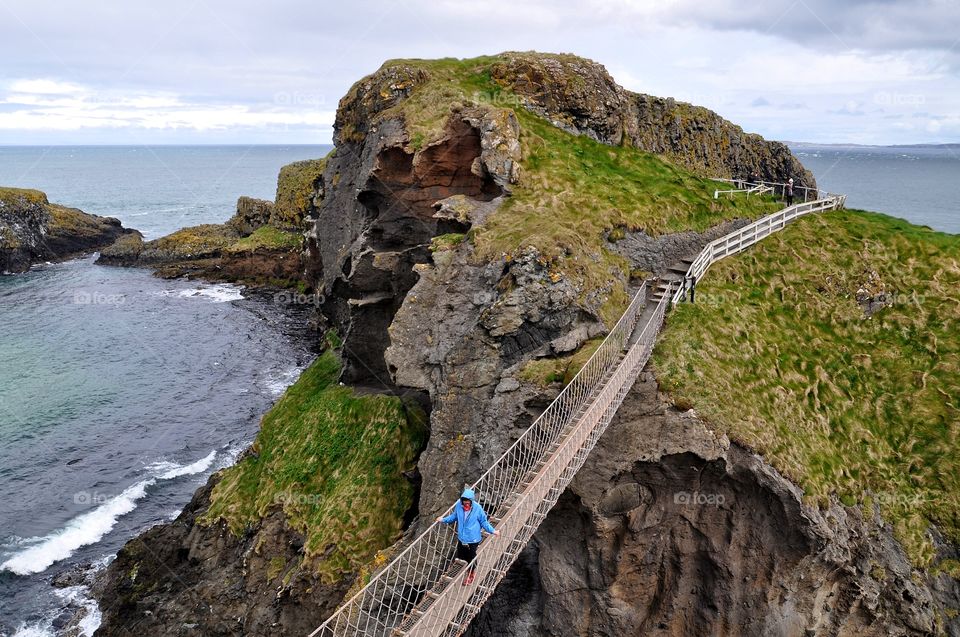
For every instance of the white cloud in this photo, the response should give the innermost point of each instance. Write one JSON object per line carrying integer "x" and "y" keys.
{"x": 44, "y": 87}
{"x": 52, "y": 105}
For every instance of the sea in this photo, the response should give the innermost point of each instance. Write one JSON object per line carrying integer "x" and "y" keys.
{"x": 120, "y": 393}
{"x": 918, "y": 183}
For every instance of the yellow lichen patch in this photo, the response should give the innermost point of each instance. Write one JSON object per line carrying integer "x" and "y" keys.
{"x": 21, "y": 196}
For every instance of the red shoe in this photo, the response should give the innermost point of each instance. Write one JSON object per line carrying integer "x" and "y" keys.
{"x": 469, "y": 579}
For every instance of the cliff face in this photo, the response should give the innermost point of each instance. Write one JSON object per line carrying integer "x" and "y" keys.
{"x": 456, "y": 238}
{"x": 32, "y": 229}
{"x": 672, "y": 529}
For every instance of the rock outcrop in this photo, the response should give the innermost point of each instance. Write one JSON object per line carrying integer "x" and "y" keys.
{"x": 187, "y": 578}
{"x": 32, "y": 230}
{"x": 252, "y": 247}
{"x": 390, "y": 217}
{"x": 580, "y": 96}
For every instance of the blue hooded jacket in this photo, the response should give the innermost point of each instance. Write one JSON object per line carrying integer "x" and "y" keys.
{"x": 469, "y": 524}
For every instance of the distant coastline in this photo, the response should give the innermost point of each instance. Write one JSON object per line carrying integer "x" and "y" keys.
{"x": 841, "y": 146}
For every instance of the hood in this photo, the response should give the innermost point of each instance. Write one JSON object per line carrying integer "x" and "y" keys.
{"x": 468, "y": 493}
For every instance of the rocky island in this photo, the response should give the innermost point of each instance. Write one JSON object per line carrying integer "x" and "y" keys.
{"x": 479, "y": 224}
{"x": 33, "y": 230}
{"x": 260, "y": 245}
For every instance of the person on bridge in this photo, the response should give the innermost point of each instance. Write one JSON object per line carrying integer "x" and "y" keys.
{"x": 470, "y": 518}
{"x": 788, "y": 191}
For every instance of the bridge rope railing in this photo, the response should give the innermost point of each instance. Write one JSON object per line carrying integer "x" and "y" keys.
{"x": 457, "y": 604}
{"x": 388, "y": 598}
{"x": 748, "y": 235}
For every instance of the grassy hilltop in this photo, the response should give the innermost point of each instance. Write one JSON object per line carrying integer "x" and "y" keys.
{"x": 784, "y": 352}
{"x": 573, "y": 190}
{"x": 574, "y": 193}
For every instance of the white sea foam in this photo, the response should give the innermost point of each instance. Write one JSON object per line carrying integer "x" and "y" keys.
{"x": 90, "y": 528}
{"x": 34, "y": 630}
{"x": 79, "y": 596}
{"x": 73, "y": 597}
{"x": 278, "y": 383}
{"x": 171, "y": 470}
{"x": 216, "y": 293}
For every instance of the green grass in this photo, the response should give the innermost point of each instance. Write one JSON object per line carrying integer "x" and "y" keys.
{"x": 446, "y": 241}
{"x": 332, "y": 460}
{"x": 562, "y": 369}
{"x": 588, "y": 190}
{"x": 269, "y": 238}
{"x": 573, "y": 191}
{"x": 778, "y": 354}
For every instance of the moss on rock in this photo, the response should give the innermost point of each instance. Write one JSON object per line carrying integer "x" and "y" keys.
{"x": 267, "y": 238}
{"x": 195, "y": 242}
{"x": 298, "y": 184}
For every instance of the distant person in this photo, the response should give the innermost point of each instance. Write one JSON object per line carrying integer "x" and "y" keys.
{"x": 470, "y": 518}
{"x": 754, "y": 178}
{"x": 788, "y": 191}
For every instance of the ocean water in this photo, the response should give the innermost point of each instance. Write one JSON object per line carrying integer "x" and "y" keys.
{"x": 119, "y": 392}
{"x": 918, "y": 183}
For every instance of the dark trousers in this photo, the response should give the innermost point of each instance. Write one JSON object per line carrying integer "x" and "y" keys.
{"x": 467, "y": 552}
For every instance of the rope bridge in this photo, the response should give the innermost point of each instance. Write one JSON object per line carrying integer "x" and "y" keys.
{"x": 422, "y": 591}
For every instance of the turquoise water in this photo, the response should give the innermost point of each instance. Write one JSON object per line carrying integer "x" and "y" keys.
{"x": 120, "y": 392}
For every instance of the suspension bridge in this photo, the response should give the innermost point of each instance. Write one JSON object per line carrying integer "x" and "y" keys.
{"x": 423, "y": 591}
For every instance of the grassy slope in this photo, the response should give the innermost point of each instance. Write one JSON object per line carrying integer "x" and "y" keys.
{"x": 573, "y": 190}
{"x": 778, "y": 353}
{"x": 267, "y": 237}
{"x": 333, "y": 461}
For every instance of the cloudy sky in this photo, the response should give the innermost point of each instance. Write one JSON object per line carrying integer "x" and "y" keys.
{"x": 211, "y": 71}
